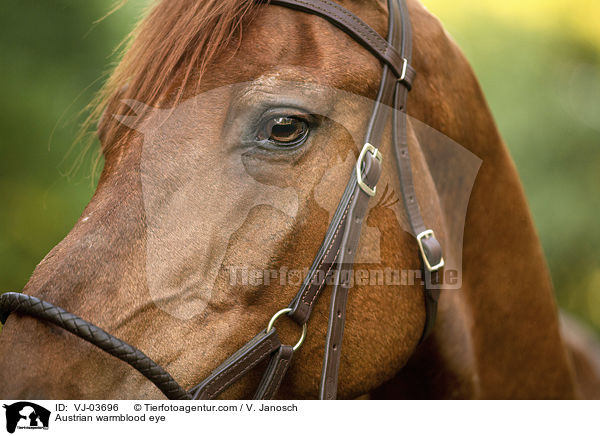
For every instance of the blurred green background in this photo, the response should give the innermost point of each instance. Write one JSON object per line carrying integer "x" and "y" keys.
{"x": 538, "y": 62}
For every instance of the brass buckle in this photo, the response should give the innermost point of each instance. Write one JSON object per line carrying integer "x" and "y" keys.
{"x": 428, "y": 234}
{"x": 282, "y": 312}
{"x": 359, "y": 179}
{"x": 404, "y": 68}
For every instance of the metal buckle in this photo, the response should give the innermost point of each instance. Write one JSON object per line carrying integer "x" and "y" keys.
{"x": 359, "y": 179}
{"x": 428, "y": 234}
{"x": 404, "y": 68}
{"x": 277, "y": 315}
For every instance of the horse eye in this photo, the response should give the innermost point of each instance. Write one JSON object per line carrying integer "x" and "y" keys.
{"x": 285, "y": 131}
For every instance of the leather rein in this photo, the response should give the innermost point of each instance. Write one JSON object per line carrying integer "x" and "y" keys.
{"x": 337, "y": 251}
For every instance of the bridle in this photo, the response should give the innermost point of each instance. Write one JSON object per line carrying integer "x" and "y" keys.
{"x": 337, "y": 251}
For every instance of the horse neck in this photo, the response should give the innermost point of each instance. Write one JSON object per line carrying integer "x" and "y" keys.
{"x": 504, "y": 321}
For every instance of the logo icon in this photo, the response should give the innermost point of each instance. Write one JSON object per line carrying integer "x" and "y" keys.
{"x": 26, "y": 415}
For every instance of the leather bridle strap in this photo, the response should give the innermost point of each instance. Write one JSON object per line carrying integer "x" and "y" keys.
{"x": 429, "y": 247}
{"x": 341, "y": 283}
{"x": 238, "y": 364}
{"x": 278, "y": 366}
{"x": 339, "y": 297}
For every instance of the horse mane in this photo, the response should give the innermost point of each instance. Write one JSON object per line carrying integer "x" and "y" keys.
{"x": 177, "y": 38}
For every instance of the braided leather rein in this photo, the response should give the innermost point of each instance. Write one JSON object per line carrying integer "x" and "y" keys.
{"x": 28, "y": 305}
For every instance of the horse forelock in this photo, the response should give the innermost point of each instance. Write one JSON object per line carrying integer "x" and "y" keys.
{"x": 186, "y": 35}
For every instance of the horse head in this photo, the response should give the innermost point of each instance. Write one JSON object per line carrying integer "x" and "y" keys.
{"x": 226, "y": 154}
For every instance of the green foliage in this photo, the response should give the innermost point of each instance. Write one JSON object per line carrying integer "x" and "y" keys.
{"x": 52, "y": 57}
{"x": 542, "y": 82}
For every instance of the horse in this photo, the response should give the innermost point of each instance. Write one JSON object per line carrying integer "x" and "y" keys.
{"x": 148, "y": 260}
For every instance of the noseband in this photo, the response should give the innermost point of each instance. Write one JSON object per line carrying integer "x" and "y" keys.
{"x": 335, "y": 257}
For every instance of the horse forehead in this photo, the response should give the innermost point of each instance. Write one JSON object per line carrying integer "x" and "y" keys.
{"x": 281, "y": 36}
{"x": 372, "y": 12}
{"x": 307, "y": 48}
